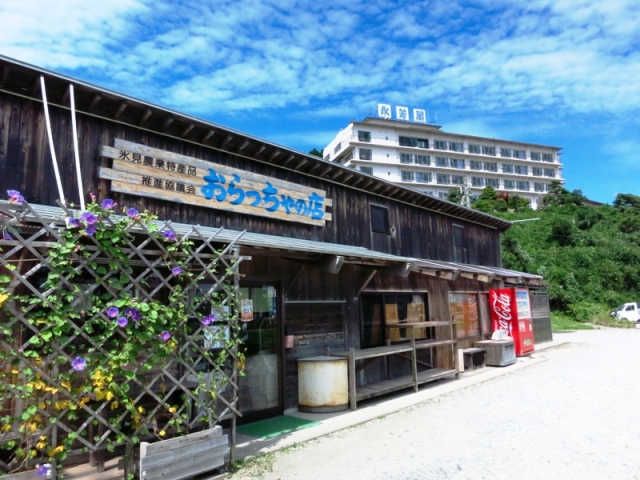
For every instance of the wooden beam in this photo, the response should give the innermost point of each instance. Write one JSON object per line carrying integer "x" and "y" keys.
{"x": 168, "y": 121}
{"x": 94, "y": 101}
{"x": 187, "y": 130}
{"x": 365, "y": 283}
{"x": 260, "y": 150}
{"x": 145, "y": 116}
{"x": 35, "y": 88}
{"x": 226, "y": 141}
{"x": 244, "y": 145}
{"x": 5, "y": 74}
{"x": 210, "y": 133}
{"x": 288, "y": 160}
{"x": 65, "y": 96}
{"x": 275, "y": 153}
{"x": 121, "y": 108}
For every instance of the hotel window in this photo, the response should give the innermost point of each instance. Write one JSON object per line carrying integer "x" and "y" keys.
{"x": 538, "y": 186}
{"x": 491, "y": 166}
{"x": 521, "y": 169}
{"x": 457, "y": 179}
{"x": 523, "y": 186}
{"x": 327, "y": 156}
{"x": 509, "y": 185}
{"x": 440, "y": 145}
{"x": 379, "y": 219}
{"x": 475, "y": 165}
{"x": 422, "y": 159}
{"x": 423, "y": 177}
{"x": 337, "y": 149}
{"x": 549, "y": 172}
{"x": 535, "y": 156}
{"x": 547, "y": 187}
{"x": 456, "y": 146}
{"x": 459, "y": 244}
{"x": 505, "y": 152}
{"x": 442, "y": 179}
{"x": 365, "y": 153}
{"x": 406, "y": 158}
{"x": 423, "y": 143}
{"x": 457, "y": 163}
{"x": 536, "y": 171}
{"x": 407, "y": 176}
{"x": 507, "y": 168}
{"x": 442, "y": 162}
{"x": 492, "y": 182}
{"x": 367, "y": 170}
{"x": 474, "y": 148}
{"x": 547, "y": 157}
{"x": 443, "y": 195}
{"x": 407, "y": 141}
{"x": 519, "y": 154}
{"x": 364, "y": 136}
{"x": 489, "y": 150}
{"x": 477, "y": 182}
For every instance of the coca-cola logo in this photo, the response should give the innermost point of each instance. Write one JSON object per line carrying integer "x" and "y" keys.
{"x": 501, "y": 306}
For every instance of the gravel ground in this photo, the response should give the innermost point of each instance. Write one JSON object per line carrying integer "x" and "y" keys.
{"x": 571, "y": 416}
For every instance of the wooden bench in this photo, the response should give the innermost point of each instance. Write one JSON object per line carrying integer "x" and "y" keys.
{"x": 474, "y": 358}
{"x": 184, "y": 457}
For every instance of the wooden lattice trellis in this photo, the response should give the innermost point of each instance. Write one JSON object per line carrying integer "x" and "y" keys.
{"x": 197, "y": 384}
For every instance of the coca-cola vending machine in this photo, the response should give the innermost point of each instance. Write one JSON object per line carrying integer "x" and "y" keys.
{"x": 511, "y": 311}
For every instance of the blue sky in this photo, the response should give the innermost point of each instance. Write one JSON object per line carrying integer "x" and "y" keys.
{"x": 564, "y": 73}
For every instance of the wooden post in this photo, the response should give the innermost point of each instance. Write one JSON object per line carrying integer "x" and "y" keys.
{"x": 414, "y": 359}
{"x": 352, "y": 379}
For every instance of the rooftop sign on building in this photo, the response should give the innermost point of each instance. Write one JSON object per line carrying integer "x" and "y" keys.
{"x": 402, "y": 113}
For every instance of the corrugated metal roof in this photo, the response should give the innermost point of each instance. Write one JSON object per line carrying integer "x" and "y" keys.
{"x": 351, "y": 254}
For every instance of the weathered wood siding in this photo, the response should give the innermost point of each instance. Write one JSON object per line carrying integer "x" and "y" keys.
{"x": 25, "y": 165}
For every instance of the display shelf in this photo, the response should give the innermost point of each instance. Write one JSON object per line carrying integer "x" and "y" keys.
{"x": 407, "y": 345}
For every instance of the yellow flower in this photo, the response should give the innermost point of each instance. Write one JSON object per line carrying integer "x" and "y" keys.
{"x": 83, "y": 401}
{"x": 140, "y": 409}
{"x": 54, "y": 451}
{"x": 66, "y": 384}
{"x": 6, "y": 428}
{"x": 173, "y": 409}
{"x": 109, "y": 396}
{"x": 114, "y": 405}
{"x": 33, "y": 453}
{"x": 162, "y": 433}
{"x": 61, "y": 404}
{"x": 3, "y": 298}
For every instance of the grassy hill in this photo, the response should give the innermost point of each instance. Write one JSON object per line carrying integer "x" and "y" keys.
{"x": 589, "y": 255}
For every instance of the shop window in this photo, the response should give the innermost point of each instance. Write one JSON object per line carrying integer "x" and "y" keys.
{"x": 379, "y": 219}
{"x": 381, "y": 309}
{"x": 464, "y": 311}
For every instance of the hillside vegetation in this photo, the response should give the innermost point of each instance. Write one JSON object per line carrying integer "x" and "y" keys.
{"x": 589, "y": 255}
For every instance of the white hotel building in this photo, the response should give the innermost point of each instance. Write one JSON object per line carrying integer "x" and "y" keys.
{"x": 423, "y": 157}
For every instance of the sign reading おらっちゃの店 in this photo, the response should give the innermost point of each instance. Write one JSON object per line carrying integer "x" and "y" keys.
{"x": 150, "y": 172}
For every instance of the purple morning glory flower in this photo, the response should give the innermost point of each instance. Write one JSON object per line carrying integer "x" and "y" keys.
{"x": 133, "y": 313}
{"x": 73, "y": 222}
{"x": 43, "y": 470}
{"x": 79, "y": 364}
{"x": 113, "y": 312}
{"x": 165, "y": 336}
{"x": 176, "y": 270}
{"x": 14, "y": 196}
{"x": 133, "y": 213}
{"x": 108, "y": 204}
{"x": 91, "y": 230}
{"x": 6, "y": 236}
{"x": 122, "y": 321}
{"x": 208, "y": 319}
{"x": 89, "y": 218}
{"x": 169, "y": 235}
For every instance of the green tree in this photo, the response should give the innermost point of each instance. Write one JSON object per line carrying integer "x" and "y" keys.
{"x": 316, "y": 152}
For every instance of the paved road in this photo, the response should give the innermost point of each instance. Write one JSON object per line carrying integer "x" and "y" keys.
{"x": 573, "y": 416}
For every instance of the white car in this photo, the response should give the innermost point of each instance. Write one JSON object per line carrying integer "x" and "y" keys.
{"x": 627, "y": 311}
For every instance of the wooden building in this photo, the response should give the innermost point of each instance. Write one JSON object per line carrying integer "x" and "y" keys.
{"x": 338, "y": 256}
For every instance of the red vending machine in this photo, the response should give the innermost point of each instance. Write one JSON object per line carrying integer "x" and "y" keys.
{"x": 511, "y": 311}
